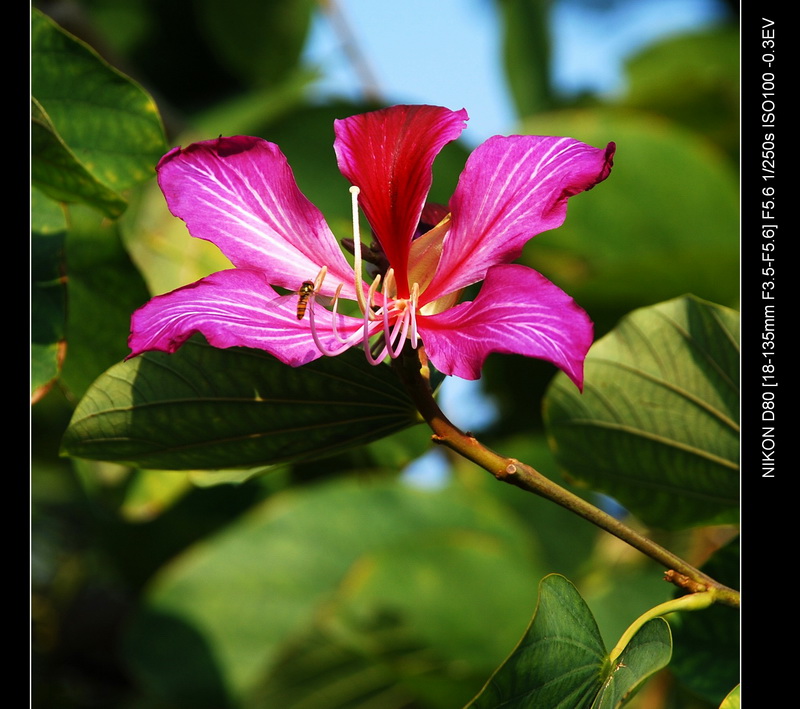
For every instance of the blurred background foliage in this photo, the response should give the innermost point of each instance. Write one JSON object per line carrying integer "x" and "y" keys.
{"x": 346, "y": 583}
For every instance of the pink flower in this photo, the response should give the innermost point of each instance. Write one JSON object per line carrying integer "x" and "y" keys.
{"x": 240, "y": 194}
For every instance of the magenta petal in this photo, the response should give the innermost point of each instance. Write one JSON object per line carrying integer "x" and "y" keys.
{"x": 234, "y": 308}
{"x": 388, "y": 155}
{"x": 240, "y": 194}
{"x": 517, "y": 311}
{"x": 512, "y": 189}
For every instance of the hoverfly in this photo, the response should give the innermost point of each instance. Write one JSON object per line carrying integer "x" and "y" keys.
{"x": 303, "y": 295}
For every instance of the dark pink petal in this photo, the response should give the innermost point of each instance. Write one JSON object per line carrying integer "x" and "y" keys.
{"x": 512, "y": 189}
{"x": 388, "y": 155}
{"x": 240, "y": 194}
{"x": 234, "y": 308}
{"x": 517, "y": 311}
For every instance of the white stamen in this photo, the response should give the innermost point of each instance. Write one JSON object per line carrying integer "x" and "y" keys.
{"x": 387, "y": 285}
{"x": 334, "y": 313}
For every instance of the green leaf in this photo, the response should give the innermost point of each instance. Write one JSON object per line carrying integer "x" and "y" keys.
{"x": 105, "y": 122}
{"x": 411, "y": 580}
{"x": 648, "y": 651}
{"x": 317, "y": 670}
{"x": 692, "y": 79}
{"x": 732, "y": 701}
{"x": 657, "y": 424}
{"x": 59, "y": 174}
{"x": 103, "y": 288}
{"x": 310, "y": 578}
{"x": 526, "y": 50}
{"x": 48, "y": 291}
{"x": 259, "y": 40}
{"x": 560, "y": 661}
{"x": 396, "y": 624}
{"x": 204, "y": 407}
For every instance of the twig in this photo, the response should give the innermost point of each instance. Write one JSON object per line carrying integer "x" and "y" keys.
{"x": 412, "y": 369}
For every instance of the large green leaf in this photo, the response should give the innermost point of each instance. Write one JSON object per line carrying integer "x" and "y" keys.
{"x": 326, "y": 579}
{"x": 105, "y": 123}
{"x": 657, "y": 424}
{"x": 561, "y": 662}
{"x": 204, "y": 407}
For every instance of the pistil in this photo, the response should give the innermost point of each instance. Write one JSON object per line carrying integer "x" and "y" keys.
{"x": 362, "y": 304}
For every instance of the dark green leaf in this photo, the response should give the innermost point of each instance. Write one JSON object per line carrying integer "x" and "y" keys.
{"x": 657, "y": 424}
{"x": 106, "y": 121}
{"x": 259, "y": 40}
{"x": 204, "y": 407}
{"x": 560, "y": 661}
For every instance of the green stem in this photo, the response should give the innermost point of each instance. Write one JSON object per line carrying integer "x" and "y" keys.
{"x": 509, "y": 470}
{"x": 691, "y": 602}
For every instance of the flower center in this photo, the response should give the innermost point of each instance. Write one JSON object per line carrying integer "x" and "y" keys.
{"x": 383, "y": 314}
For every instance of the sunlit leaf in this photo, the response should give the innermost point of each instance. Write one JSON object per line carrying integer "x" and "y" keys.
{"x": 410, "y": 581}
{"x": 657, "y": 424}
{"x": 285, "y": 583}
{"x": 107, "y": 122}
{"x": 60, "y": 175}
{"x": 401, "y": 626}
{"x": 204, "y": 407}
{"x": 732, "y": 701}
